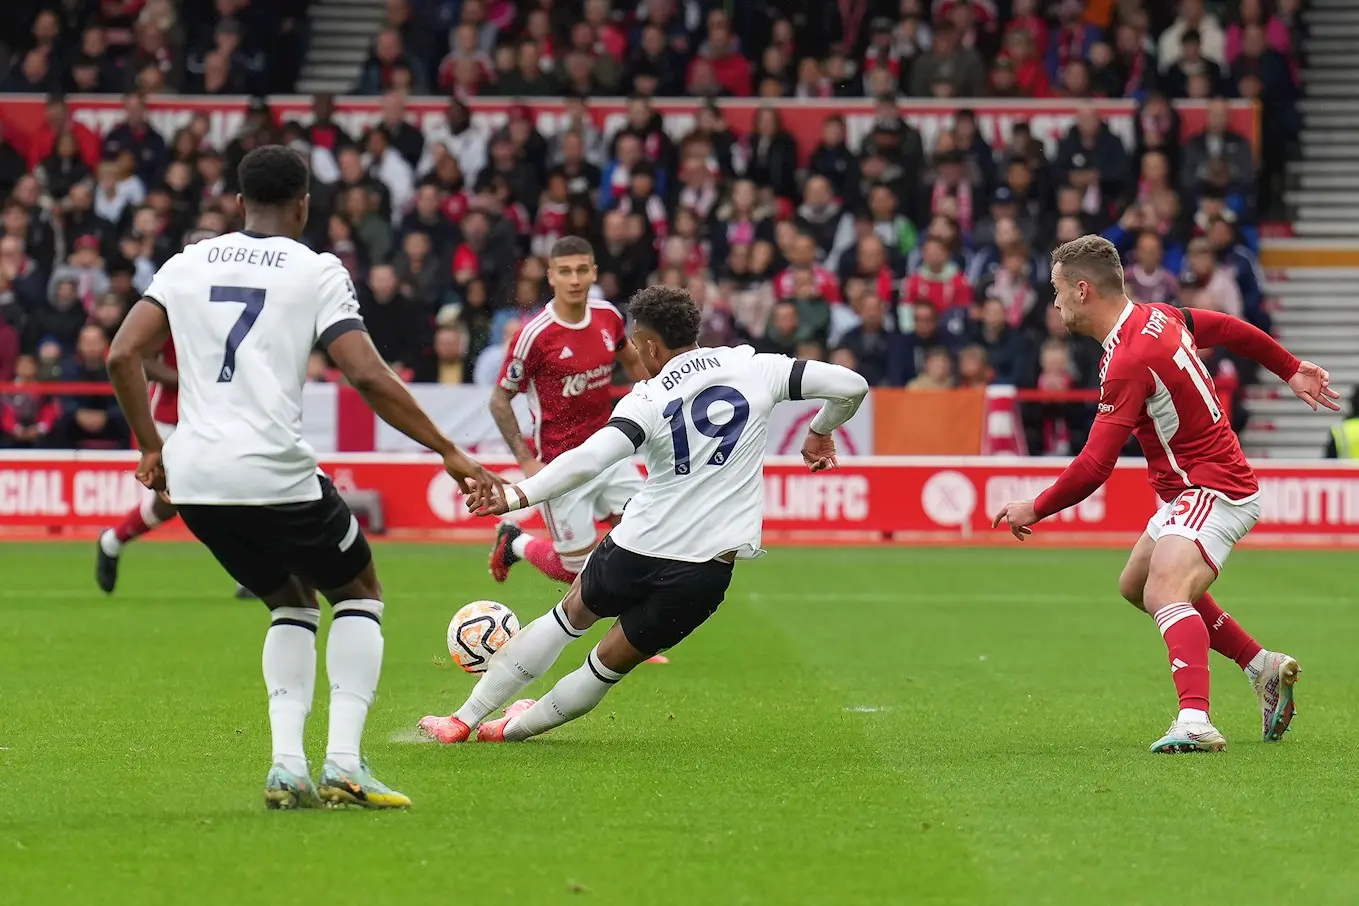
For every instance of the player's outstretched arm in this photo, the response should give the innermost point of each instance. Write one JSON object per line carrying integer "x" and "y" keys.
{"x": 1121, "y": 400}
{"x": 572, "y": 469}
{"x": 844, "y": 391}
{"x": 1308, "y": 381}
{"x": 358, "y": 359}
{"x": 144, "y": 331}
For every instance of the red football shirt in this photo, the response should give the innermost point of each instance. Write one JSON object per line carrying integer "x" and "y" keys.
{"x": 165, "y": 400}
{"x": 566, "y": 369}
{"x": 1154, "y": 386}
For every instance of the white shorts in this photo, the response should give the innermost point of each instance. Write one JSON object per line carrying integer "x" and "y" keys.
{"x": 165, "y": 430}
{"x": 1213, "y": 523}
{"x": 571, "y": 518}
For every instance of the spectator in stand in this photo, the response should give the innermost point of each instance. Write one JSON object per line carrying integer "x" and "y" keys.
{"x": 1244, "y": 265}
{"x": 1000, "y": 342}
{"x": 1014, "y": 285}
{"x": 1191, "y": 62}
{"x": 395, "y": 322}
{"x": 1030, "y": 78}
{"x": 936, "y": 372}
{"x": 26, "y": 418}
{"x": 89, "y": 421}
{"x": 1007, "y": 238}
{"x": 939, "y": 281}
{"x": 1092, "y": 159}
{"x": 880, "y": 353}
{"x": 1072, "y": 40}
{"x": 781, "y": 336}
{"x": 1213, "y": 285}
{"x": 950, "y": 63}
{"x": 720, "y": 55}
{"x": 802, "y": 266}
{"x": 1192, "y": 17}
{"x": 56, "y": 121}
{"x": 447, "y": 361}
{"x": 1217, "y": 142}
{"x": 405, "y": 137}
{"x": 387, "y": 58}
{"x": 769, "y": 155}
{"x": 1148, "y": 280}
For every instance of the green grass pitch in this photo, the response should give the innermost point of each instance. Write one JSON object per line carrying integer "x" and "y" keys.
{"x": 854, "y": 726}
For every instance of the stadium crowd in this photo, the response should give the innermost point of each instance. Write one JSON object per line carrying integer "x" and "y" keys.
{"x": 923, "y": 267}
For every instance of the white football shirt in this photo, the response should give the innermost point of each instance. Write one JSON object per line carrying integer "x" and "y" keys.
{"x": 245, "y": 312}
{"x": 701, "y": 425}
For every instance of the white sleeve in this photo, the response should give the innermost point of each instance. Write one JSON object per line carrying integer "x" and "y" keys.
{"x": 842, "y": 389}
{"x": 161, "y": 284}
{"x": 777, "y": 371}
{"x": 573, "y": 468}
{"x": 338, "y": 312}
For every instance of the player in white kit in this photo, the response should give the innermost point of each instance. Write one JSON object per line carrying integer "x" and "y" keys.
{"x": 701, "y": 424}
{"x": 246, "y": 309}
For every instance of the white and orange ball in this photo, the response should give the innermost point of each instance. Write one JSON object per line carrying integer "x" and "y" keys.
{"x": 479, "y": 630}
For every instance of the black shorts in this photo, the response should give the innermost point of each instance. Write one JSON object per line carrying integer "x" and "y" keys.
{"x": 319, "y": 541}
{"x": 658, "y": 602}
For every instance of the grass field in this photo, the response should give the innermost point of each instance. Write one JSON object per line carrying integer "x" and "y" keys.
{"x": 854, "y": 726}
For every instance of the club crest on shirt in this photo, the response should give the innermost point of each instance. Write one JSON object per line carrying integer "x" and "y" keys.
{"x": 515, "y": 371}
{"x": 608, "y": 340}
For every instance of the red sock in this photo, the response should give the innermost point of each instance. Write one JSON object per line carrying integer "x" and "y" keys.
{"x": 134, "y": 525}
{"x": 543, "y": 555}
{"x": 1225, "y": 634}
{"x": 1187, "y": 638}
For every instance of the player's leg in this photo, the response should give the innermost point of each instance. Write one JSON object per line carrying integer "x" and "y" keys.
{"x": 328, "y": 548}
{"x": 527, "y": 656}
{"x": 234, "y": 536}
{"x": 571, "y": 529}
{"x": 674, "y": 599}
{"x": 1177, "y": 576}
{"x": 142, "y": 518}
{"x": 1225, "y": 635}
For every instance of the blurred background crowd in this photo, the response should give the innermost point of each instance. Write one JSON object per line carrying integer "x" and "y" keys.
{"x": 922, "y": 265}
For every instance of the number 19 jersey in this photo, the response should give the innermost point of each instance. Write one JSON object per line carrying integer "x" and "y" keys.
{"x": 701, "y": 425}
{"x": 245, "y": 312}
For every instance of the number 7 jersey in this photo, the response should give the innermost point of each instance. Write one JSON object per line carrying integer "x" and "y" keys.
{"x": 1152, "y": 380}
{"x": 245, "y": 312}
{"x": 702, "y": 425}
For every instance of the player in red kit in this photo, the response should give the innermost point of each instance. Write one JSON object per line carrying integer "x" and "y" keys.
{"x": 152, "y": 511}
{"x": 1153, "y": 386}
{"x": 563, "y": 359}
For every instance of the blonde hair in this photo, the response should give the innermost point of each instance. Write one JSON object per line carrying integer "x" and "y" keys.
{"x": 1093, "y": 259}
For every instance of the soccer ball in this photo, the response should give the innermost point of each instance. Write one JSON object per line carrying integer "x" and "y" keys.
{"x": 479, "y": 630}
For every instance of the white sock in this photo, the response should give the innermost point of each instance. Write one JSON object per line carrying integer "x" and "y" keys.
{"x": 1256, "y": 664}
{"x": 290, "y": 677}
{"x": 148, "y": 509}
{"x": 353, "y": 664}
{"x": 527, "y": 656}
{"x": 574, "y": 695}
{"x": 109, "y": 543}
{"x": 1192, "y": 716}
{"x": 519, "y": 546}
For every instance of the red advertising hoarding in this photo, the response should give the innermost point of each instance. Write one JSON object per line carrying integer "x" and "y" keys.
{"x": 1049, "y": 120}
{"x": 868, "y": 498}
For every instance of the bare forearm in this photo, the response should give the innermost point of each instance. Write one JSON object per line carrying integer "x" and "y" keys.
{"x": 161, "y": 373}
{"x": 393, "y": 403}
{"x": 505, "y": 420}
{"x": 129, "y": 385}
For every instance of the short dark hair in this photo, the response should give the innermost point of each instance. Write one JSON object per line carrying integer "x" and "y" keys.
{"x": 669, "y": 312}
{"x": 273, "y": 175}
{"x": 570, "y": 245}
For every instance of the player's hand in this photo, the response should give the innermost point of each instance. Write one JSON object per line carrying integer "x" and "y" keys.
{"x": 818, "y": 452}
{"x": 471, "y": 476}
{"x": 1312, "y": 385}
{"x": 151, "y": 471}
{"x": 530, "y": 467}
{"x": 496, "y": 504}
{"x": 1018, "y": 515}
